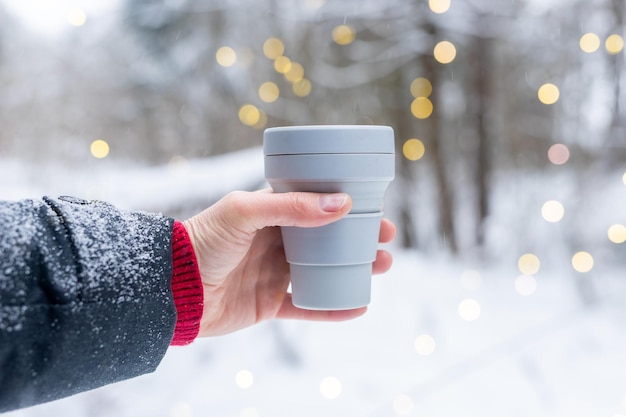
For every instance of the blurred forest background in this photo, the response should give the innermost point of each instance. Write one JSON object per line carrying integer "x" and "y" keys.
{"x": 479, "y": 93}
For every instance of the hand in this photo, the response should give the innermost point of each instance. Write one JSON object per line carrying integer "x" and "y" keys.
{"x": 242, "y": 262}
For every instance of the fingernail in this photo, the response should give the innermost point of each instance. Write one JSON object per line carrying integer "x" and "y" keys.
{"x": 333, "y": 202}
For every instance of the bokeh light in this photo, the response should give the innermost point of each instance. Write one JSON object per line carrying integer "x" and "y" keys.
{"x": 262, "y": 122}
{"x": 421, "y": 87}
{"x": 582, "y": 261}
{"x": 249, "y": 412}
{"x": 282, "y": 64}
{"x": 469, "y": 309}
{"x": 269, "y": 92}
{"x": 439, "y": 6}
{"x": 614, "y": 44}
{"x": 548, "y": 93}
{"x": 76, "y": 17}
{"x": 330, "y": 387}
{"x": 525, "y": 285}
{"x": 295, "y": 73}
{"x": 413, "y": 149}
{"x": 471, "y": 280}
{"x": 424, "y": 344}
{"x": 558, "y": 154}
{"x": 249, "y": 114}
{"x": 422, "y": 108}
{"x": 99, "y": 149}
{"x": 273, "y": 48}
{"x": 226, "y": 56}
{"x": 528, "y": 264}
{"x": 302, "y": 88}
{"x": 402, "y": 404}
{"x": 444, "y": 52}
{"x": 552, "y": 211}
{"x": 244, "y": 379}
{"x": 617, "y": 233}
{"x": 589, "y": 42}
{"x": 343, "y": 35}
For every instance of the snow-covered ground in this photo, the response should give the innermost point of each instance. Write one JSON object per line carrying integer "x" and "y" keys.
{"x": 443, "y": 336}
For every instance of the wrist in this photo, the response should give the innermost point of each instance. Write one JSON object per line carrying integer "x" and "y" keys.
{"x": 186, "y": 287}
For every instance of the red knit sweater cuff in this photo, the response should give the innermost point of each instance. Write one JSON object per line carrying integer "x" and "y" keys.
{"x": 186, "y": 287}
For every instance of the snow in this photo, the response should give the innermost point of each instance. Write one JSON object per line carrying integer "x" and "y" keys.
{"x": 551, "y": 353}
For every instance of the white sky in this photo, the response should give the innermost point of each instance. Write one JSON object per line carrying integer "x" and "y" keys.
{"x": 50, "y": 17}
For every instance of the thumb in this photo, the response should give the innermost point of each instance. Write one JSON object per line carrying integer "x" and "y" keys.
{"x": 252, "y": 211}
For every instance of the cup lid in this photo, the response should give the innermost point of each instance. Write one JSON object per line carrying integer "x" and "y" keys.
{"x": 325, "y": 139}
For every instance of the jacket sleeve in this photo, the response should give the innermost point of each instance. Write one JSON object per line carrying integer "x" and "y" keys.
{"x": 85, "y": 297}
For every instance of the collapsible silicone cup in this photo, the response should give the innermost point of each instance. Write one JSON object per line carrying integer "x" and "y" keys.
{"x": 331, "y": 266}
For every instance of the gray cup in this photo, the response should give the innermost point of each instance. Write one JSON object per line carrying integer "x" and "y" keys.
{"x": 331, "y": 266}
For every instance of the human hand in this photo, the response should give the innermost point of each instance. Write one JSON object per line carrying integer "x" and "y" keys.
{"x": 242, "y": 262}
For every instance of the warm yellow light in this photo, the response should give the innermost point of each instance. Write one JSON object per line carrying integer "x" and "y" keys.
{"x": 302, "y": 88}
{"x": 402, "y": 404}
{"x": 273, "y": 48}
{"x": 295, "y": 73}
{"x": 99, "y": 149}
{"x": 444, "y": 52}
{"x": 413, "y": 149}
{"x": 525, "y": 285}
{"x": 422, "y": 108}
{"x": 552, "y": 211}
{"x": 528, "y": 264}
{"x": 548, "y": 93}
{"x": 343, "y": 34}
{"x": 617, "y": 233}
{"x": 226, "y": 56}
{"x": 249, "y": 114}
{"x": 439, "y": 6}
{"x": 614, "y": 44}
{"x": 558, "y": 154}
{"x": 262, "y": 122}
{"x": 244, "y": 379}
{"x": 589, "y": 42}
{"x": 421, "y": 87}
{"x": 269, "y": 92}
{"x": 469, "y": 309}
{"x": 471, "y": 280}
{"x": 330, "y": 387}
{"x": 424, "y": 344}
{"x": 76, "y": 17}
{"x": 282, "y": 64}
{"x": 582, "y": 261}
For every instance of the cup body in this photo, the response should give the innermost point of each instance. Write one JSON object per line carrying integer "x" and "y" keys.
{"x": 331, "y": 265}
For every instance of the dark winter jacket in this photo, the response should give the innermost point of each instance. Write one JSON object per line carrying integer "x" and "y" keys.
{"x": 85, "y": 297}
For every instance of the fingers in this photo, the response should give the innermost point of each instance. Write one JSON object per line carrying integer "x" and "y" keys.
{"x": 387, "y": 231}
{"x": 289, "y": 311}
{"x": 382, "y": 263}
{"x": 254, "y": 211}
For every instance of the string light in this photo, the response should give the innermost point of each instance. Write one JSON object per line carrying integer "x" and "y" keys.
{"x": 439, "y": 6}
{"x": 582, "y": 261}
{"x": 548, "y": 93}
{"x": 525, "y": 285}
{"x": 226, "y": 56}
{"x": 421, "y": 87}
{"x": 295, "y": 73}
{"x": 249, "y": 114}
{"x": 99, "y": 149}
{"x": 528, "y": 264}
{"x": 269, "y": 92}
{"x": 262, "y": 122}
{"x": 302, "y": 88}
{"x": 424, "y": 344}
{"x": 413, "y": 149}
{"x": 76, "y": 17}
{"x": 558, "y": 154}
{"x": 273, "y": 48}
{"x": 330, "y": 388}
{"x": 589, "y": 42}
{"x": 444, "y": 52}
{"x": 402, "y": 404}
{"x": 244, "y": 379}
{"x": 617, "y": 233}
{"x": 282, "y": 64}
{"x": 471, "y": 280}
{"x": 469, "y": 309}
{"x": 422, "y": 108}
{"x": 614, "y": 44}
{"x": 552, "y": 211}
{"x": 343, "y": 35}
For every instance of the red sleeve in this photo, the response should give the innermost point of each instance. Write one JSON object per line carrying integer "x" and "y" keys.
{"x": 186, "y": 287}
